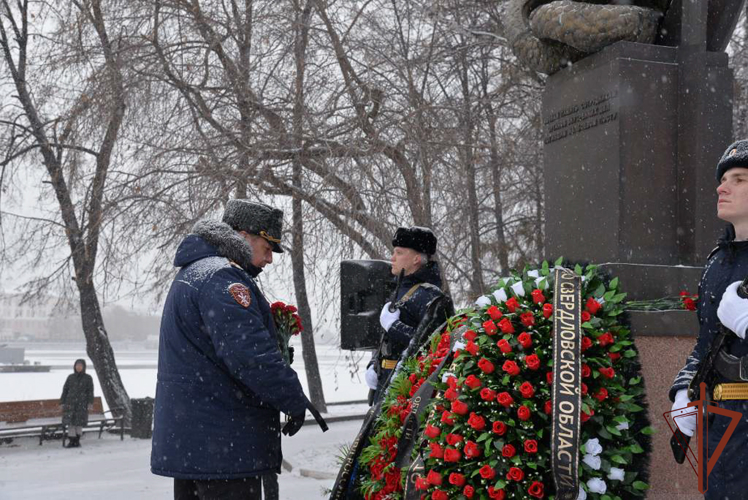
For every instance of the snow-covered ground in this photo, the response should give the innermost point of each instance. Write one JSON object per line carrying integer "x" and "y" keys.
{"x": 114, "y": 470}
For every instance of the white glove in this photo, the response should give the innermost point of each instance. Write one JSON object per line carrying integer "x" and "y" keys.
{"x": 371, "y": 378}
{"x": 687, "y": 425}
{"x": 733, "y": 311}
{"x": 386, "y": 318}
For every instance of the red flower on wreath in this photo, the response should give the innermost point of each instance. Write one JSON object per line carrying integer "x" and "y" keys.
{"x": 531, "y": 446}
{"x": 527, "y": 390}
{"x": 504, "y": 346}
{"x": 459, "y": 408}
{"x": 527, "y": 319}
{"x": 508, "y": 451}
{"x": 470, "y": 335}
{"x": 586, "y": 343}
{"x": 469, "y": 491}
{"x": 494, "y": 313}
{"x": 451, "y": 394}
{"x": 605, "y": 339}
{"x": 593, "y": 306}
{"x": 532, "y": 361}
{"x": 547, "y": 310}
{"x": 548, "y": 409}
{"x": 439, "y": 495}
{"x": 485, "y": 365}
{"x": 473, "y": 382}
{"x": 511, "y": 368}
{"x": 432, "y": 431}
{"x": 586, "y": 371}
{"x": 586, "y": 316}
{"x": 456, "y": 479}
{"x": 505, "y": 399}
{"x": 471, "y": 450}
{"x": 601, "y": 394}
{"x": 607, "y": 372}
{"x": 614, "y": 356}
{"x": 436, "y": 451}
{"x": 472, "y": 348}
{"x": 523, "y": 413}
{"x": 536, "y": 489}
{"x": 496, "y": 494}
{"x": 506, "y": 326}
{"x": 525, "y": 340}
{"x": 434, "y": 478}
{"x": 447, "y": 418}
{"x": 452, "y": 455}
{"x": 422, "y": 483}
{"x": 487, "y": 472}
{"x": 537, "y": 296}
{"x": 476, "y": 422}
{"x": 453, "y": 439}
{"x": 512, "y": 304}
{"x": 490, "y": 327}
{"x": 487, "y": 394}
{"x": 515, "y": 474}
{"x": 499, "y": 428}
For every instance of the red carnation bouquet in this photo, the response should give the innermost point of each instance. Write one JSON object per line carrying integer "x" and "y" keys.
{"x": 287, "y": 324}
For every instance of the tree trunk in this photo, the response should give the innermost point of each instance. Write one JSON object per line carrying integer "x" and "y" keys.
{"x": 316, "y": 394}
{"x": 100, "y": 351}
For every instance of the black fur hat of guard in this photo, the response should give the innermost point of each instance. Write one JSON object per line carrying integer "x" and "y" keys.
{"x": 256, "y": 218}
{"x": 420, "y": 239}
{"x": 736, "y": 155}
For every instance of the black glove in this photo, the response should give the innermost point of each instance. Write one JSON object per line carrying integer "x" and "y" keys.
{"x": 290, "y": 355}
{"x": 294, "y": 424}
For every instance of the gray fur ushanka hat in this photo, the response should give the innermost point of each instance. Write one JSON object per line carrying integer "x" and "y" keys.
{"x": 736, "y": 155}
{"x": 256, "y": 218}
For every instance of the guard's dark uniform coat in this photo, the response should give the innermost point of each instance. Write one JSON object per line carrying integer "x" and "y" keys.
{"x": 412, "y": 311}
{"x": 727, "y": 264}
{"x": 221, "y": 379}
{"x": 77, "y": 394}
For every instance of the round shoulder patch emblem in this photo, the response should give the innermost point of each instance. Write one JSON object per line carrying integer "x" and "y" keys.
{"x": 241, "y": 294}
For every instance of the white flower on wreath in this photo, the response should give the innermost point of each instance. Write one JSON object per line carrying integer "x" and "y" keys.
{"x": 483, "y": 301}
{"x": 622, "y": 426}
{"x": 616, "y": 474}
{"x": 500, "y": 295}
{"x": 594, "y": 461}
{"x": 458, "y": 345}
{"x": 518, "y": 289}
{"x": 597, "y": 485}
{"x": 446, "y": 376}
{"x": 582, "y": 493}
{"x": 593, "y": 446}
{"x": 534, "y": 273}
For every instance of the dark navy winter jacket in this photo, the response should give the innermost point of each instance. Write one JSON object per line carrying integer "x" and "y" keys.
{"x": 221, "y": 379}
{"x": 727, "y": 264}
{"x": 414, "y": 309}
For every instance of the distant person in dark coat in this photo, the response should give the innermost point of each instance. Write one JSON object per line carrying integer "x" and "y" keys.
{"x": 222, "y": 381}
{"x": 76, "y": 401}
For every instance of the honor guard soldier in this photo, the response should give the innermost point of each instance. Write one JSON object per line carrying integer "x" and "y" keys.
{"x": 720, "y": 304}
{"x": 419, "y": 285}
{"x": 222, "y": 382}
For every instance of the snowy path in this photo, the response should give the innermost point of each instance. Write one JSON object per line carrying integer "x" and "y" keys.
{"x": 114, "y": 470}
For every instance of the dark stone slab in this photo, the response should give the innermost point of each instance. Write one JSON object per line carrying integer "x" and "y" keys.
{"x": 664, "y": 323}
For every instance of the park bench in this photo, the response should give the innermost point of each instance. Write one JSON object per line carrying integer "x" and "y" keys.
{"x": 43, "y": 418}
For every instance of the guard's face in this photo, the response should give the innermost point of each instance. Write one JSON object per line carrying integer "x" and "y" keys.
{"x": 405, "y": 258}
{"x": 262, "y": 251}
{"x": 78, "y": 367}
{"x": 732, "y": 205}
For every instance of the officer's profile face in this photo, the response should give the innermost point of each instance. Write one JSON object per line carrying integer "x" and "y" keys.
{"x": 405, "y": 258}
{"x": 262, "y": 251}
{"x": 732, "y": 204}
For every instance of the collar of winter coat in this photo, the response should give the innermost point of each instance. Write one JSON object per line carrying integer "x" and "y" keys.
{"x": 426, "y": 274}
{"x": 210, "y": 238}
{"x": 729, "y": 245}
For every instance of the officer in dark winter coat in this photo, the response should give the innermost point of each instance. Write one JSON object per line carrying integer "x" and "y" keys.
{"x": 719, "y": 303}
{"x": 412, "y": 253}
{"x": 76, "y": 400}
{"x": 222, "y": 382}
